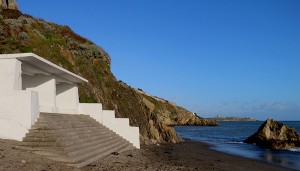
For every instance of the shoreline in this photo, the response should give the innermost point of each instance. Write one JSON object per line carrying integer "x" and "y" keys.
{"x": 188, "y": 155}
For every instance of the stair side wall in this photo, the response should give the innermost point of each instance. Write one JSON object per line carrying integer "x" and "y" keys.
{"x": 107, "y": 118}
{"x": 121, "y": 127}
{"x": 19, "y": 111}
{"x": 94, "y": 110}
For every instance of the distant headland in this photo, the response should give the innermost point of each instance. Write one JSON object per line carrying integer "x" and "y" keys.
{"x": 237, "y": 119}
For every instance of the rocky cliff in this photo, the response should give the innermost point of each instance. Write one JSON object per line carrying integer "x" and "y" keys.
{"x": 21, "y": 33}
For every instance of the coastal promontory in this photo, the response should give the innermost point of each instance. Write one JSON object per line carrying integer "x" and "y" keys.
{"x": 237, "y": 119}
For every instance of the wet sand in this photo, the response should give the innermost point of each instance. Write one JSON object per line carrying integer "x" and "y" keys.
{"x": 188, "y": 155}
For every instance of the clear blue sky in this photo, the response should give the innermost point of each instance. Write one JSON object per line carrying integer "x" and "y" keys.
{"x": 213, "y": 57}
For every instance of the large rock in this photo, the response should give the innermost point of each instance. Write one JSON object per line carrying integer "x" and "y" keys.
{"x": 275, "y": 135}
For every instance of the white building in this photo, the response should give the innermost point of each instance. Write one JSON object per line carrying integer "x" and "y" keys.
{"x": 30, "y": 84}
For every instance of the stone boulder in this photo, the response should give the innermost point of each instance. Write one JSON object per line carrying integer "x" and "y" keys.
{"x": 275, "y": 135}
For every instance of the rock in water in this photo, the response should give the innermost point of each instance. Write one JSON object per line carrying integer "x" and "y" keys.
{"x": 275, "y": 135}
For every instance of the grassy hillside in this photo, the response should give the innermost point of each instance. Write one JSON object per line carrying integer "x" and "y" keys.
{"x": 59, "y": 44}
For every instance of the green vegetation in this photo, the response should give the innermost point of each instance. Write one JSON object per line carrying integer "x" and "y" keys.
{"x": 87, "y": 99}
{"x": 26, "y": 49}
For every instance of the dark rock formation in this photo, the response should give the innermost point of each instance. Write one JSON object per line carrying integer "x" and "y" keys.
{"x": 275, "y": 135}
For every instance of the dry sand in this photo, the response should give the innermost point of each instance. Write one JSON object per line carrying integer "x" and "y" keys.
{"x": 184, "y": 156}
{"x": 14, "y": 159}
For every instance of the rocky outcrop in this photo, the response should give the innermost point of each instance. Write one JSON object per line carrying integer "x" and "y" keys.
{"x": 275, "y": 135}
{"x": 164, "y": 115}
{"x": 8, "y": 4}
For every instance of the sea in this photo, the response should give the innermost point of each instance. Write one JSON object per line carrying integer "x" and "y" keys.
{"x": 229, "y": 138}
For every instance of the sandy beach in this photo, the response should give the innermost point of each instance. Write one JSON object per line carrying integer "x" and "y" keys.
{"x": 188, "y": 155}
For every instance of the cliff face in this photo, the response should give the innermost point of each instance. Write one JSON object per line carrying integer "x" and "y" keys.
{"x": 21, "y": 33}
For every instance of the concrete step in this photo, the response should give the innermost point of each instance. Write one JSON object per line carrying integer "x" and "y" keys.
{"x": 77, "y": 125}
{"x": 68, "y": 143}
{"x": 39, "y": 133}
{"x": 41, "y": 144}
{"x": 41, "y": 124}
{"x": 64, "y": 117}
{"x": 74, "y": 136}
{"x": 96, "y": 151}
{"x": 39, "y": 139}
{"x": 35, "y": 130}
{"x": 70, "y": 122}
{"x": 93, "y": 146}
{"x": 66, "y": 123}
{"x": 39, "y": 127}
{"x": 63, "y": 136}
{"x": 71, "y": 129}
{"x": 100, "y": 155}
{"x": 86, "y": 144}
{"x": 84, "y": 130}
{"x": 61, "y": 118}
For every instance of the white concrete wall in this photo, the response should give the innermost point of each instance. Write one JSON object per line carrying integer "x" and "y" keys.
{"x": 46, "y": 88}
{"x": 67, "y": 100}
{"x": 18, "y": 112}
{"x": 108, "y": 117}
{"x": 131, "y": 134}
{"x": 10, "y": 75}
{"x": 121, "y": 126}
{"x": 94, "y": 110}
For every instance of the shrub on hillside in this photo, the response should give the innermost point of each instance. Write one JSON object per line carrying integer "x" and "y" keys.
{"x": 24, "y": 36}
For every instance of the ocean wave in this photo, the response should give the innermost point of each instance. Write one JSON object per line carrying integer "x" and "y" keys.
{"x": 297, "y": 149}
{"x": 235, "y": 142}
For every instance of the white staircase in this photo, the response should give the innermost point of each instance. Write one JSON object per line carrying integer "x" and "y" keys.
{"x": 76, "y": 140}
